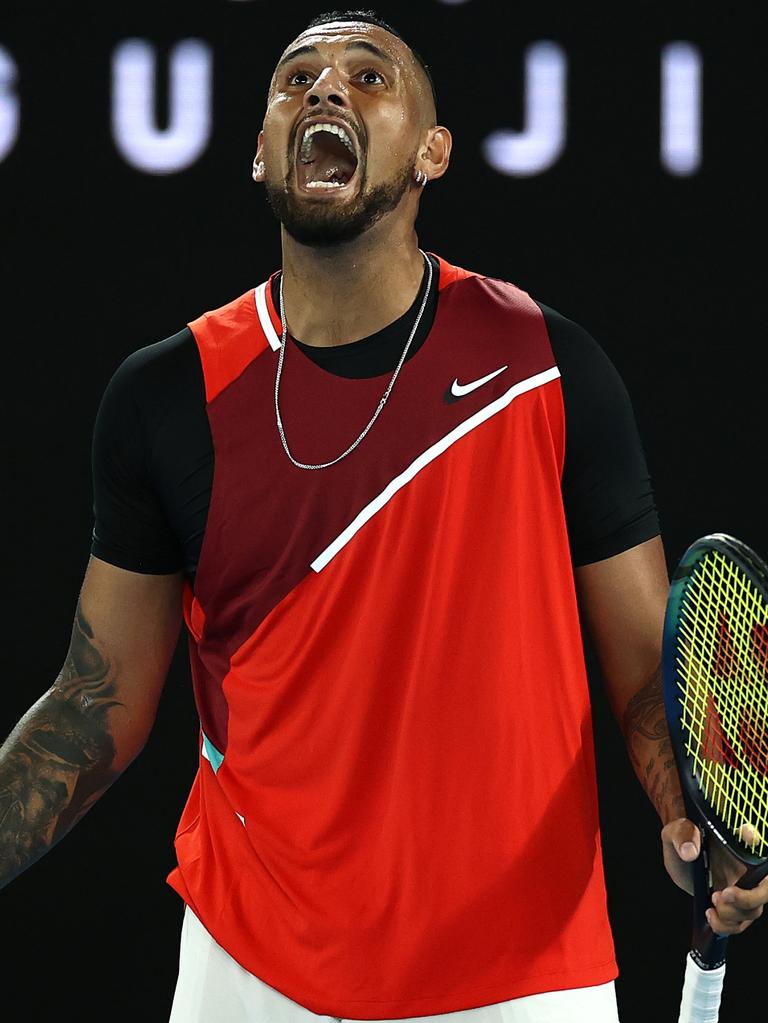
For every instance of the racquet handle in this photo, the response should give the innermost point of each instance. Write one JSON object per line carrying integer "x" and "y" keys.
{"x": 701, "y": 993}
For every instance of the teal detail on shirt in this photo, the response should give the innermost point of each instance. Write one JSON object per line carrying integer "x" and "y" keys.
{"x": 211, "y": 753}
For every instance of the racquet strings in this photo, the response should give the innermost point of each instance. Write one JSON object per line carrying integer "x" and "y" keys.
{"x": 722, "y": 685}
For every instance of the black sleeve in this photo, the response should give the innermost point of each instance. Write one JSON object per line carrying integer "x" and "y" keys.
{"x": 131, "y": 529}
{"x": 607, "y": 492}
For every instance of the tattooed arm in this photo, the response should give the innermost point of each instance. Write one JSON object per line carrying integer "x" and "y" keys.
{"x": 644, "y": 725}
{"x": 94, "y": 720}
{"x": 623, "y": 600}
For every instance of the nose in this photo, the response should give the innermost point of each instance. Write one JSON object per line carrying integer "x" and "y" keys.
{"x": 328, "y": 89}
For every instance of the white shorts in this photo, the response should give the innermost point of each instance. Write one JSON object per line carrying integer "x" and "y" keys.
{"x": 213, "y": 988}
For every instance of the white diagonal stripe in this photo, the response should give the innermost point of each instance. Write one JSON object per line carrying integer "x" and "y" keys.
{"x": 428, "y": 456}
{"x": 264, "y": 318}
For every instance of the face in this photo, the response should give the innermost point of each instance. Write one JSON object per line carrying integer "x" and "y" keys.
{"x": 345, "y": 116}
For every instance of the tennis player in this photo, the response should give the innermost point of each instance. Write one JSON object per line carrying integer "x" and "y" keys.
{"x": 376, "y": 487}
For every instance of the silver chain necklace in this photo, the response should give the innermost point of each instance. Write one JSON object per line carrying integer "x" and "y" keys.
{"x": 382, "y": 403}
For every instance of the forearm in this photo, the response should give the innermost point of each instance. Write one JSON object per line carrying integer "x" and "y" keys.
{"x": 59, "y": 758}
{"x": 644, "y": 725}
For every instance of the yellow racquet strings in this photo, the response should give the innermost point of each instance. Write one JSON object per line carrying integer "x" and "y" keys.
{"x": 722, "y": 677}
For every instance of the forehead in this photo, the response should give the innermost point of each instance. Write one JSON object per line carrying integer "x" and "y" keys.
{"x": 336, "y": 36}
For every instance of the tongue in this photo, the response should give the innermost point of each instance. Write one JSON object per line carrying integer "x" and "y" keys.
{"x": 334, "y": 174}
{"x": 330, "y": 159}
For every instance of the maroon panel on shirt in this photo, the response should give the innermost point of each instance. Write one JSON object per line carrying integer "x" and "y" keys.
{"x": 268, "y": 520}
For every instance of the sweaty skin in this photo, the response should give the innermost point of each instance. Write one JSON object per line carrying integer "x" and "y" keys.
{"x": 341, "y": 293}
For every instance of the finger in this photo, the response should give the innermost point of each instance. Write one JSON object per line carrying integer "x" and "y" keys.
{"x": 684, "y": 837}
{"x": 688, "y": 851}
{"x": 720, "y": 926}
{"x": 745, "y": 898}
{"x": 729, "y": 913}
{"x": 749, "y": 835}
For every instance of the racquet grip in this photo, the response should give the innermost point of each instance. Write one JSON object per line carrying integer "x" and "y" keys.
{"x": 701, "y": 993}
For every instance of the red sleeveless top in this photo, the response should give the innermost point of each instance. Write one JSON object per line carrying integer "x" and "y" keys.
{"x": 395, "y": 812}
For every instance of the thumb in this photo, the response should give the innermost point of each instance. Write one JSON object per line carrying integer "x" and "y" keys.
{"x": 685, "y": 838}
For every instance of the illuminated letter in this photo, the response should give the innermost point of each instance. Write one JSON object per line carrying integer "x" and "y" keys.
{"x": 137, "y": 137}
{"x": 681, "y": 108}
{"x": 540, "y": 143}
{"x": 9, "y": 104}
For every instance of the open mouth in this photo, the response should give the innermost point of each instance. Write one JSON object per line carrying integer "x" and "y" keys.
{"x": 327, "y": 160}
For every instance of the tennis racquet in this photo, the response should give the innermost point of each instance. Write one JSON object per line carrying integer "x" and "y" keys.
{"x": 715, "y": 671}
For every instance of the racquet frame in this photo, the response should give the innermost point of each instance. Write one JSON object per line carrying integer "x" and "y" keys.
{"x": 708, "y": 949}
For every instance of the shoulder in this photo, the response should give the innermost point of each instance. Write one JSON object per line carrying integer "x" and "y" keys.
{"x": 493, "y": 308}
{"x": 157, "y": 363}
{"x": 486, "y": 293}
{"x": 237, "y": 314}
{"x": 582, "y": 361}
{"x": 489, "y": 296}
{"x": 564, "y": 332}
{"x": 156, "y": 370}
{"x": 151, "y": 381}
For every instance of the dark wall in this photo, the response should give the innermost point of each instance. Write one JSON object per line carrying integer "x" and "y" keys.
{"x": 99, "y": 258}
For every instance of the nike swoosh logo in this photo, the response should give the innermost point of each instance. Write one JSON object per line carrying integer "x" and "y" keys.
{"x": 457, "y": 390}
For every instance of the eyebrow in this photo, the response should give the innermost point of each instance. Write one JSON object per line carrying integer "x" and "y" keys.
{"x": 355, "y": 44}
{"x": 361, "y": 44}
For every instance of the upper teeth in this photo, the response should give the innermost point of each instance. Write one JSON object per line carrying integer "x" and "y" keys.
{"x": 335, "y": 129}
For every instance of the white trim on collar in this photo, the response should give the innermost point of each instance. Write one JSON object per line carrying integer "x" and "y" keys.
{"x": 265, "y": 320}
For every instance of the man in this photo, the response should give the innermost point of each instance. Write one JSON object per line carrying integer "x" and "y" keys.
{"x": 379, "y": 582}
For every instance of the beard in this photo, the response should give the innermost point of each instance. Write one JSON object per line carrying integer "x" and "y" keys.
{"x": 322, "y": 225}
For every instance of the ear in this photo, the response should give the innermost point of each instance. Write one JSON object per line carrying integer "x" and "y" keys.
{"x": 258, "y": 161}
{"x": 435, "y": 152}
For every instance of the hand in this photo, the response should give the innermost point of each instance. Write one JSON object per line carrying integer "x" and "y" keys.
{"x": 734, "y": 909}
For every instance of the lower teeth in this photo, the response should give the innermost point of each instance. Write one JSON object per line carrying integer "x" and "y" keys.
{"x": 325, "y": 184}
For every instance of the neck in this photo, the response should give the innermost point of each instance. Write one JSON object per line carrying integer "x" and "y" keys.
{"x": 333, "y": 296}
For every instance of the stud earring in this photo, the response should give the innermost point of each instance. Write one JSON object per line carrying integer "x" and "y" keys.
{"x": 421, "y": 178}
{"x": 258, "y": 169}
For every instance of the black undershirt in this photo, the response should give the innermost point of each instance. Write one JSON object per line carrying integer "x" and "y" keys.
{"x": 152, "y": 452}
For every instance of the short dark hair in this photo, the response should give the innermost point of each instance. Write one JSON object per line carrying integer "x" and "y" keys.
{"x": 372, "y": 18}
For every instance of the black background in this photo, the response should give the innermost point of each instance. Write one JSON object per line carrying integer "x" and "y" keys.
{"x": 99, "y": 259}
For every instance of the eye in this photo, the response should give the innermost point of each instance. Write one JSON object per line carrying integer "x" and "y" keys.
{"x": 298, "y": 74}
{"x": 371, "y": 71}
